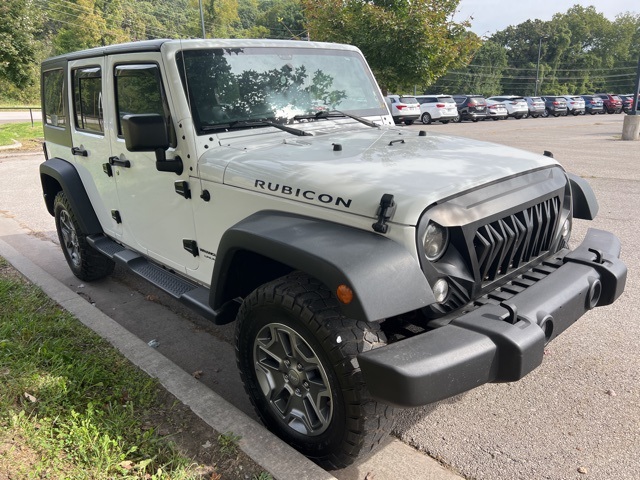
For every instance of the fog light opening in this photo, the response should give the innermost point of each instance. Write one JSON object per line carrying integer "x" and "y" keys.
{"x": 547, "y": 328}
{"x": 595, "y": 290}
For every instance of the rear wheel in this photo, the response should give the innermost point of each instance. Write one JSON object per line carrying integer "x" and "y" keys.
{"x": 545, "y": 114}
{"x": 86, "y": 263}
{"x": 296, "y": 354}
{"x": 408, "y": 122}
{"x": 425, "y": 118}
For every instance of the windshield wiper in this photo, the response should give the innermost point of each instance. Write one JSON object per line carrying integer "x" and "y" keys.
{"x": 334, "y": 114}
{"x": 255, "y": 123}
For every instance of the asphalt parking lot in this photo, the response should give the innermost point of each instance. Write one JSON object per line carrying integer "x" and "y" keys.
{"x": 577, "y": 416}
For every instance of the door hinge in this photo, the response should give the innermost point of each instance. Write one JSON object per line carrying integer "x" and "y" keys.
{"x": 115, "y": 214}
{"x": 182, "y": 188}
{"x": 191, "y": 246}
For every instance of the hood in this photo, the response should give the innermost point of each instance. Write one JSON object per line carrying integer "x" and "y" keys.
{"x": 351, "y": 170}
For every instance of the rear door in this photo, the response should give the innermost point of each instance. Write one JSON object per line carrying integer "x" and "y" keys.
{"x": 91, "y": 147}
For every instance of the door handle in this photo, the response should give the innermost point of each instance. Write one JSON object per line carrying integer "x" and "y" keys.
{"x": 79, "y": 151}
{"x": 119, "y": 162}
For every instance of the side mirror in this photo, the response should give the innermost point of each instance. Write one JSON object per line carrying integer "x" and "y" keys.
{"x": 148, "y": 133}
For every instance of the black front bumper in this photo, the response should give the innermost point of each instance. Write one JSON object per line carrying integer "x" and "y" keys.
{"x": 497, "y": 342}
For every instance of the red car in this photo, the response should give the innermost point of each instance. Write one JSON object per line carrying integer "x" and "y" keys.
{"x": 612, "y": 103}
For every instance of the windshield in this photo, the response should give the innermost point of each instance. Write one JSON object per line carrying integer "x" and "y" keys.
{"x": 234, "y": 86}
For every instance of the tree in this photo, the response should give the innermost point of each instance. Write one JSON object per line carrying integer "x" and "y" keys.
{"x": 483, "y": 76}
{"x": 405, "y": 42}
{"x": 18, "y": 48}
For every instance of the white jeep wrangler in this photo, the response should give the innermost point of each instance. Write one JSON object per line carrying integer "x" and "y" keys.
{"x": 366, "y": 266}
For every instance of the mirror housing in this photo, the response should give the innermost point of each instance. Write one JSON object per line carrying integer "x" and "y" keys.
{"x": 147, "y": 132}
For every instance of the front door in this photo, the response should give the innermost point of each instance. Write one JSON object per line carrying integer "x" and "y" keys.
{"x": 156, "y": 220}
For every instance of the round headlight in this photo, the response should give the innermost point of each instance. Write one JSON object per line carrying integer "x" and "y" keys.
{"x": 436, "y": 238}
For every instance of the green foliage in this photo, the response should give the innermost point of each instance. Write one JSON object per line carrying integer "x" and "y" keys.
{"x": 228, "y": 442}
{"x": 18, "y": 46}
{"x": 581, "y": 51}
{"x": 71, "y": 398}
{"x": 405, "y": 42}
{"x": 22, "y": 132}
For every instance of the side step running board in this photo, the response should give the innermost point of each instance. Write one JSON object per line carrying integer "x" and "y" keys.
{"x": 191, "y": 294}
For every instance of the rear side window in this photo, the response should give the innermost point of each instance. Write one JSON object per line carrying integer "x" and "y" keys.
{"x": 138, "y": 91}
{"x": 87, "y": 95}
{"x": 53, "y": 98}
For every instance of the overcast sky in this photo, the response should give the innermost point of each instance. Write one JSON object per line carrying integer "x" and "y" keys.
{"x": 489, "y": 16}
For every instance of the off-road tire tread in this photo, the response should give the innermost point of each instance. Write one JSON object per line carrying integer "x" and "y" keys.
{"x": 368, "y": 421}
{"x": 94, "y": 265}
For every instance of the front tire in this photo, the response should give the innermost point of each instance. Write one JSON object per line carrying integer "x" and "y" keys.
{"x": 296, "y": 354}
{"x": 425, "y": 118}
{"x": 86, "y": 263}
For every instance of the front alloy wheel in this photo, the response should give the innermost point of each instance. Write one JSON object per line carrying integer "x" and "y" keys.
{"x": 297, "y": 357}
{"x": 292, "y": 379}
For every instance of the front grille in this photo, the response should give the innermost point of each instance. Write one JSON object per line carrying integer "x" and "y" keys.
{"x": 510, "y": 242}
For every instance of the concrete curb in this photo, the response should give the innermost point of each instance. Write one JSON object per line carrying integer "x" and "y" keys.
{"x": 267, "y": 450}
{"x": 11, "y": 147}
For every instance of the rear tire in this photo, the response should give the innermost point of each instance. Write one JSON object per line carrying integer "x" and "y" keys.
{"x": 425, "y": 118}
{"x": 86, "y": 263}
{"x": 296, "y": 354}
{"x": 408, "y": 122}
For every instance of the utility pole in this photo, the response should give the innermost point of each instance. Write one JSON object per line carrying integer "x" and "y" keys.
{"x": 204, "y": 35}
{"x": 538, "y": 66}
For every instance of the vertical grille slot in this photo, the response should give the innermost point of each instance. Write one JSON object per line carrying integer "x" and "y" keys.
{"x": 506, "y": 244}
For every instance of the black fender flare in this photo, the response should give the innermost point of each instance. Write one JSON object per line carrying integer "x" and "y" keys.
{"x": 57, "y": 174}
{"x": 584, "y": 202}
{"x": 385, "y": 278}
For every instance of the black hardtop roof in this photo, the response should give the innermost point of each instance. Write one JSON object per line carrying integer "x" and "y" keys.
{"x": 131, "y": 47}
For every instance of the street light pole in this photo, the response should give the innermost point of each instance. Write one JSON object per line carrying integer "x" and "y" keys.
{"x": 538, "y": 67}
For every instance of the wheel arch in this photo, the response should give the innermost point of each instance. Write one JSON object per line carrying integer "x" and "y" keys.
{"x": 58, "y": 175}
{"x": 384, "y": 276}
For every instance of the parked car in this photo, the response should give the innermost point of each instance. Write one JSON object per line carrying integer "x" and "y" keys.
{"x": 536, "y": 106}
{"x": 575, "y": 104}
{"x": 471, "y": 107}
{"x": 441, "y": 108}
{"x": 403, "y": 108}
{"x": 627, "y": 102}
{"x": 516, "y": 106}
{"x": 496, "y": 110}
{"x": 593, "y": 104}
{"x": 555, "y": 106}
{"x": 612, "y": 103}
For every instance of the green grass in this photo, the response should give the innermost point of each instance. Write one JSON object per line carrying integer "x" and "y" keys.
{"x": 70, "y": 405}
{"x": 29, "y": 136}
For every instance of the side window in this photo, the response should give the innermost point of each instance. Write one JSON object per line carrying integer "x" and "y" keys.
{"x": 53, "y": 97}
{"x": 139, "y": 90}
{"x": 87, "y": 94}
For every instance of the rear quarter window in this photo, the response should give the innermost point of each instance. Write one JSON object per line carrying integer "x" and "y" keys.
{"x": 53, "y": 98}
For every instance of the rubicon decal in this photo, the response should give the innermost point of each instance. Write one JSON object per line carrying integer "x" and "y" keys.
{"x": 325, "y": 198}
